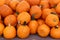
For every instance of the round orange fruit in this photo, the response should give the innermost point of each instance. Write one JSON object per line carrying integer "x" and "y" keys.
{"x": 9, "y": 32}
{"x": 52, "y": 20}
{"x": 24, "y": 16}
{"x": 44, "y": 4}
{"x": 58, "y": 8}
{"x": 23, "y": 31}
{"x": 13, "y": 4}
{"x": 1, "y": 28}
{"x": 5, "y": 10}
{"x": 22, "y": 6}
{"x": 53, "y": 2}
{"x": 36, "y": 11}
{"x": 55, "y": 32}
{"x": 33, "y": 25}
{"x": 43, "y": 30}
{"x": 11, "y": 19}
{"x": 33, "y": 2}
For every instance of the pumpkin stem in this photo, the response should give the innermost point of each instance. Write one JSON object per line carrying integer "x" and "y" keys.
{"x": 32, "y": 18}
{"x": 24, "y": 23}
{"x": 17, "y": 13}
{"x": 53, "y": 13}
{"x": 56, "y": 27}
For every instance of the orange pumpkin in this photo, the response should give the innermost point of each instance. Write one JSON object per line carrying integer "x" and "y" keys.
{"x": 43, "y": 30}
{"x": 36, "y": 11}
{"x": 33, "y": 25}
{"x": 52, "y": 20}
{"x": 22, "y": 6}
{"x": 5, "y": 10}
{"x": 13, "y": 4}
{"x": 55, "y": 32}
{"x": 1, "y": 28}
{"x": 33, "y": 2}
{"x": 44, "y": 4}
{"x": 11, "y": 19}
{"x": 9, "y": 32}
{"x": 23, "y": 31}
{"x": 53, "y": 3}
{"x": 58, "y": 8}
{"x": 24, "y": 16}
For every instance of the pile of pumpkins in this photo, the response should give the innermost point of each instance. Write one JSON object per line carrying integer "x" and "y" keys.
{"x": 25, "y": 17}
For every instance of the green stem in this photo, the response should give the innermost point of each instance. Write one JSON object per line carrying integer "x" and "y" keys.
{"x": 32, "y": 18}
{"x": 17, "y": 13}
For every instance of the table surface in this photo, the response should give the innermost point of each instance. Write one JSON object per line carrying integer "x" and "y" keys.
{"x": 31, "y": 37}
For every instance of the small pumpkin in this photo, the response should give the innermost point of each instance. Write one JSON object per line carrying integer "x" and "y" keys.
{"x": 58, "y": 8}
{"x": 43, "y": 30}
{"x": 1, "y": 28}
{"x": 36, "y": 11}
{"x": 53, "y": 3}
{"x": 9, "y": 32}
{"x": 24, "y": 16}
{"x": 23, "y": 31}
{"x": 5, "y": 10}
{"x": 13, "y": 4}
{"x": 22, "y": 6}
{"x": 44, "y": 4}
{"x": 55, "y": 32}
{"x": 11, "y": 19}
{"x": 52, "y": 20}
{"x": 33, "y": 25}
{"x": 33, "y": 2}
